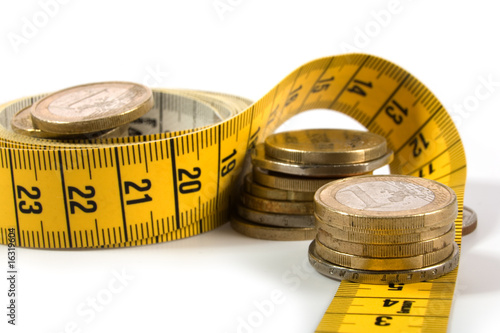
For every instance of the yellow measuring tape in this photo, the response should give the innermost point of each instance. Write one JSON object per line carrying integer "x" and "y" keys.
{"x": 153, "y": 188}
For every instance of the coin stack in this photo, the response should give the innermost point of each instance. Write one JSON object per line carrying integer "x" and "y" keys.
{"x": 277, "y": 197}
{"x": 385, "y": 229}
{"x": 92, "y": 111}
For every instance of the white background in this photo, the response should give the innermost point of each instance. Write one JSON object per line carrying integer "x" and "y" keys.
{"x": 212, "y": 282}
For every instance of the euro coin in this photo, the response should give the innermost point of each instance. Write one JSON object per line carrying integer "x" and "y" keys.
{"x": 21, "y": 123}
{"x": 378, "y": 264}
{"x": 275, "y": 219}
{"x": 92, "y": 107}
{"x": 259, "y": 231}
{"x": 287, "y": 182}
{"x": 337, "y": 272}
{"x": 386, "y": 202}
{"x": 374, "y": 236}
{"x": 325, "y": 146}
{"x": 259, "y": 159}
{"x": 400, "y": 249}
{"x": 276, "y": 206}
{"x": 469, "y": 222}
{"x": 274, "y": 193}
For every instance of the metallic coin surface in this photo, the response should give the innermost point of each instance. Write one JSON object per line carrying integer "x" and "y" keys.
{"x": 382, "y": 264}
{"x": 369, "y": 236}
{"x": 325, "y": 146}
{"x": 21, "y": 123}
{"x": 386, "y": 202}
{"x": 117, "y": 132}
{"x": 274, "y": 219}
{"x": 386, "y": 250}
{"x": 91, "y": 107}
{"x": 287, "y": 182}
{"x": 275, "y": 206}
{"x": 469, "y": 223}
{"x": 260, "y": 160}
{"x": 270, "y": 233}
{"x": 385, "y": 276}
{"x": 274, "y": 193}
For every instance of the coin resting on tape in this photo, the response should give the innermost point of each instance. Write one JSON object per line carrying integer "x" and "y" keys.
{"x": 383, "y": 277}
{"x": 381, "y": 236}
{"x": 386, "y": 202}
{"x": 383, "y": 264}
{"x": 92, "y": 107}
{"x": 390, "y": 208}
{"x": 22, "y": 124}
{"x": 401, "y": 249}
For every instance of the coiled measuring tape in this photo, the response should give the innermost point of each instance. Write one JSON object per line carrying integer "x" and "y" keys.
{"x": 176, "y": 177}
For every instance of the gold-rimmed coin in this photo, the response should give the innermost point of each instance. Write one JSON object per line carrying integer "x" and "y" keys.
{"x": 276, "y": 206}
{"x": 117, "y": 132}
{"x": 382, "y": 264}
{"x": 287, "y": 182}
{"x": 274, "y": 193}
{"x": 21, "y": 123}
{"x": 259, "y": 231}
{"x": 275, "y": 219}
{"x": 386, "y": 202}
{"x": 387, "y": 250}
{"x": 369, "y": 236}
{"x": 325, "y": 146}
{"x": 469, "y": 222}
{"x": 338, "y": 272}
{"x": 261, "y": 160}
{"x": 91, "y": 107}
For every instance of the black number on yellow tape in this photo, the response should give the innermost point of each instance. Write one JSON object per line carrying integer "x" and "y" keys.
{"x": 177, "y": 183}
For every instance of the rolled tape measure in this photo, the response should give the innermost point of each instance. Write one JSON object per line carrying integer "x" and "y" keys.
{"x": 175, "y": 178}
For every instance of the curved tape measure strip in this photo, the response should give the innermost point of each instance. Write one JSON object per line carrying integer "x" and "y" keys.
{"x": 159, "y": 187}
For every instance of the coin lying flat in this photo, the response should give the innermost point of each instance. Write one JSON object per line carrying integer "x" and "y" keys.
{"x": 384, "y": 276}
{"x": 259, "y": 159}
{"x": 274, "y": 193}
{"x": 274, "y": 219}
{"x": 276, "y": 206}
{"x": 377, "y": 264}
{"x": 469, "y": 223}
{"x": 92, "y": 107}
{"x": 386, "y": 202}
{"x": 259, "y": 231}
{"x": 325, "y": 146}
{"x": 370, "y": 236}
{"x": 287, "y": 182}
{"x": 21, "y": 123}
{"x": 387, "y": 250}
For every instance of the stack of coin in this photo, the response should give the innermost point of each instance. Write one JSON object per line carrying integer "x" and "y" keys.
{"x": 91, "y": 111}
{"x": 385, "y": 229}
{"x": 277, "y": 196}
